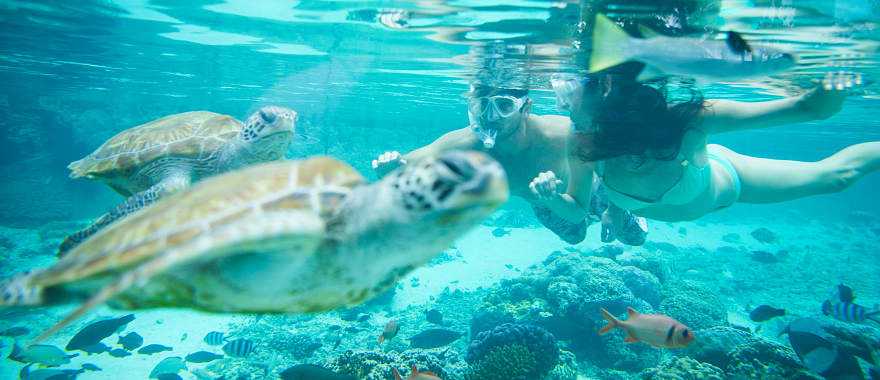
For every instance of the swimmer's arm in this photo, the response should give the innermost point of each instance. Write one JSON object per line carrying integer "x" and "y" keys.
{"x": 574, "y": 204}
{"x": 820, "y": 103}
{"x": 457, "y": 139}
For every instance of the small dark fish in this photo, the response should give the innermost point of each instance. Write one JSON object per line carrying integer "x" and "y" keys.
{"x": 499, "y": 232}
{"x": 845, "y": 293}
{"x": 764, "y": 235}
{"x": 91, "y": 367}
{"x": 765, "y": 313}
{"x": 764, "y": 257}
{"x": 96, "y": 348}
{"x": 850, "y": 312}
{"x": 433, "y": 338}
{"x": 153, "y": 349}
{"x": 214, "y": 338}
{"x": 168, "y": 376}
{"x": 434, "y": 316}
{"x": 131, "y": 341}
{"x": 96, "y": 332}
{"x": 184, "y": 336}
{"x": 312, "y": 372}
{"x": 239, "y": 348}
{"x": 390, "y": 331}
{"x": 119, "y": 353}
{"x": 202, "y": 357}
{"x": 15, "y": 331}
{"x": 173, "y": 365}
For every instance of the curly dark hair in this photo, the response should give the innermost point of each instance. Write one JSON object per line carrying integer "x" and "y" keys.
{"x": 637, "y": 119}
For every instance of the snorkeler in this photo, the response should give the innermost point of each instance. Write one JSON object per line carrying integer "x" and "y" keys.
{"x": 532, "y": 149}
{"x": 655, "y": 159}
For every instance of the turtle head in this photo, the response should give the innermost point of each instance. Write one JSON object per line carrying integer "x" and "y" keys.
{"x": 269, "y": 131}
{"x": 454, "y": 189}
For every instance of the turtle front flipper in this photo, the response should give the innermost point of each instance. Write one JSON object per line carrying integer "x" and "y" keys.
{"x": 295, "y": 233}
{"x": 132, "y": 204}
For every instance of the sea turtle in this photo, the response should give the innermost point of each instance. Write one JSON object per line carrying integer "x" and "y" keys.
{"x": 284, "y": 236}
{"x": 154, "y": 159}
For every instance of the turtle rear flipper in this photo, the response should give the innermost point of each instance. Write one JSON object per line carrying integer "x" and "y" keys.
{"x": 132, "y": 204}
{"x": 303, "y": 230}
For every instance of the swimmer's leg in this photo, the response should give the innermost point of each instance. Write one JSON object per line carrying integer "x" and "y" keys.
{"x": 771, "y": 181}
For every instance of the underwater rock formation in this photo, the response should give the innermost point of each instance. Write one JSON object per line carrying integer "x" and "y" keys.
{"x": 764, "y": 235}
{"x": 683, "y": 368}
{"x": 763, "y": 359}
{"x": 512, "y": 352}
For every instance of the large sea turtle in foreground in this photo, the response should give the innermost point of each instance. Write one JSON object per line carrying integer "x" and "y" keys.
{"x": 160, "y": 157}
{"x": 286, "y": 236}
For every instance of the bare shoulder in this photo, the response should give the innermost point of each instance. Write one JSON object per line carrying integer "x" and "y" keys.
{"x": 553, "y": 127}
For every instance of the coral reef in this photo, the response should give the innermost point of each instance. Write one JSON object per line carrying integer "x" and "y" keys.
{"x": 683, "y": 368}
{"x": 694, "y": 305}
{"x": 518, "y": 351}
{"x": 564, "y": 295}
{"x": 373, "y": 365}
{"x": 764, "y": 235}
{"x": 763, "y": 359}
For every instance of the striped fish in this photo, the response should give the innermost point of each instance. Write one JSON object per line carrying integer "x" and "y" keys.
{"x": 239, "y": 348}
{"x": 849, "y": 312}
{"x": 214, "y": 338}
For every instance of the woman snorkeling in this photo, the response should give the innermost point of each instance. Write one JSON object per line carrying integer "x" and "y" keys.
{"x": 655, "y": 159}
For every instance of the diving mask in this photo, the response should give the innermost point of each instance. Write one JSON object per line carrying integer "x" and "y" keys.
{"x": 569, "y": 89}
{"x": 491, "y": 109}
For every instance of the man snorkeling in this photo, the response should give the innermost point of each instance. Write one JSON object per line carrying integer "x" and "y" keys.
{"x": 533, "y": 149}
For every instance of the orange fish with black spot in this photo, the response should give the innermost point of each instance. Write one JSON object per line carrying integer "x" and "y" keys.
{"x": 657, "y": 330}
{"x": 416, "y": 375}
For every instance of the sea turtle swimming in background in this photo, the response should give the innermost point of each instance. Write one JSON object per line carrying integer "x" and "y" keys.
{"x": 154, "y": 159}
{"x": 286, "y": 236}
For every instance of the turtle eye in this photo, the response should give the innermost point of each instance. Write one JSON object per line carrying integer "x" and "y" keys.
{"x": 267, "y": 117}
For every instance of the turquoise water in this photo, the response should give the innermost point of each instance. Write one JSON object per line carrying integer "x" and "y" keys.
{"x": 370, "y": 76}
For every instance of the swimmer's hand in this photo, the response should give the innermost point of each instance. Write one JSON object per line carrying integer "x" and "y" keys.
{"x": 387, "y": 162}
{"x": 546, "y": 186}
{"x": 827, "y": 98}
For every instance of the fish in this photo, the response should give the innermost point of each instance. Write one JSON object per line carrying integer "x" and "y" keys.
{"x": 172, "y": 365}
{"x": 48, "y": 374}
{"x": 844, "y": 293}
{"x": 119, "y": 353}
{"x": 415, "y": 374}
{"x": 239, "y": 348}
{"x": 153, "y": 349}
{"x": 658, "y": 330}
{"x": 95, "y": 332}
{"x": 765, "y": 313}
{"x": 202, "y": 357}
{"x": 15, "y": 331}
{"x": 499, "y": 232}
{"x": 91, "y": 367}
{"x": 850, "y": 312}
{"x": 764, "y": 257}
{"x": 818, "y": 351}
{"x": 214, "y": 338}
{"x": 433, "y": 338}
{"x": 130, "y": 341}
{"x": 96, "y": 348}
{"x": 732, "y": 58}
{"x": 434, "y": 316}
{"x": 45, "y": 354}
{"x": 390, "y": 331}
{"x": 312, "y": 372}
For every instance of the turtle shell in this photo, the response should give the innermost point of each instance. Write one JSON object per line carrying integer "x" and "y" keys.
{"x": 189, "y": 135}
{"x": 208, "y": 215}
